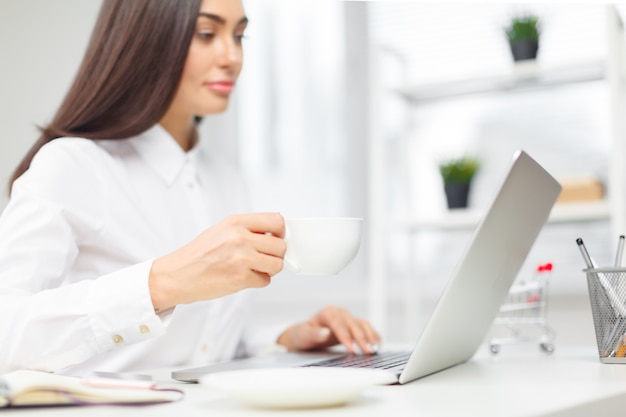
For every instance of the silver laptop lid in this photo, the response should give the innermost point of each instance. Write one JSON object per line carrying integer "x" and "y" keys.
{"x": 481, "y": 280}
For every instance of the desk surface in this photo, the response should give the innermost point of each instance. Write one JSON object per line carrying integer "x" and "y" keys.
{"x": 571, "y": 382}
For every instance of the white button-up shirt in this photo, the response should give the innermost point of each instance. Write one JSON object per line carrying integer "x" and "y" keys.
{"x": 77, "y": 241}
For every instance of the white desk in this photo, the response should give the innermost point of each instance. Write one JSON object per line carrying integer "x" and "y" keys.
{"x": 572, "y": 382}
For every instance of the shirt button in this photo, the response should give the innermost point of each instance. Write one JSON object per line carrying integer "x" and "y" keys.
{"x": 205, "y": 348}
{"x": 117, "y": 339}
{"x": 144, "y": 329}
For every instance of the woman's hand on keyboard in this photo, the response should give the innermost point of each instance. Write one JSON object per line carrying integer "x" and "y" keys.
{"x": 329, "y": 327}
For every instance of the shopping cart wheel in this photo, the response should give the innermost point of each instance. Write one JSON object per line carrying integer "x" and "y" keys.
{"x": 494, "y": 349}
{"x": 547, "y": 347}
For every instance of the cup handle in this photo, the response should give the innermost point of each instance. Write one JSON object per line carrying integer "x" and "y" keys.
{"x": 291, "y": 264}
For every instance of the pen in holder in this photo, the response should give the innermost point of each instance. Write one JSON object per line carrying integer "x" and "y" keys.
{"x": 607, "y": 295}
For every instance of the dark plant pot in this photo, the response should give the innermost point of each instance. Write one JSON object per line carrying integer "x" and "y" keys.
{"x": 524, "y": 50}
{"x": 457, "y": 194}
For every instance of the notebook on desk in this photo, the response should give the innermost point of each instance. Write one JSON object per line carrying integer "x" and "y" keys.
{"x": 468, "y": 305}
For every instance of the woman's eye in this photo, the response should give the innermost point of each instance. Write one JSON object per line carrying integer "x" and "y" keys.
{"x": 205, "y": 35}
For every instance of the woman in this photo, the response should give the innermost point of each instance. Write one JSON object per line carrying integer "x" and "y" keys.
{"x": 112, "y": 252}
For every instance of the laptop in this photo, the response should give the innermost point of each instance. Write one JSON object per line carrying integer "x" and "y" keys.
{"x": 472, "y": 297}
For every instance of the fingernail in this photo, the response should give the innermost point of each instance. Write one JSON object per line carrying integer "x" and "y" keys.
{"x": 373, "y": 347}
{"x": 356, "y": 348}
{"x": 323, "y": 333}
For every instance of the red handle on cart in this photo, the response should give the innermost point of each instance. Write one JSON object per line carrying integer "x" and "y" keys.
{"x": 547, "y": 267}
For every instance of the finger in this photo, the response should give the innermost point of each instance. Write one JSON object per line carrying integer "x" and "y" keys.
{"x": 341, "y": 332}
{"x": 372, "y": 336}
{"x": 357, "y": 332}
{"x": 269, "y": 245}
{"x": 367, "y": 339}
{"x": 352, "y": 332}
{"x": 268, "y": 264}
{"x": 307, "y": 337}
{"x": 272, "y": 223}
{"x": 260, "y": 279}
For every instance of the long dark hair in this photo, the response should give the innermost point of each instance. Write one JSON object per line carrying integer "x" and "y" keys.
{"x": 129, "y": 74}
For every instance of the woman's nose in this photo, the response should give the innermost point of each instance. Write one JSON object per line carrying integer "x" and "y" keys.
{"x": 230, "y": 53}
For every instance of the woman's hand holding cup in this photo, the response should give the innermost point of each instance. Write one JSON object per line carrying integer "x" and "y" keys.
{"x": 241, "y": 251}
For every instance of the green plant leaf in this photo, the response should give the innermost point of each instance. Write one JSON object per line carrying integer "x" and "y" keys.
{"x": 460, "y": 169}
{"x": 523, "y": 28}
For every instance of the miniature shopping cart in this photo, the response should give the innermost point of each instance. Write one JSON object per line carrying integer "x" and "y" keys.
{"x": 523, "y": 313}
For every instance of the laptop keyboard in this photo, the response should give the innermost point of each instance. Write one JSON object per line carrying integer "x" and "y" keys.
{"x": 382, "y": 360}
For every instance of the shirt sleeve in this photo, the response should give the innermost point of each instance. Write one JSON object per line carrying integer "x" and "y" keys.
{"x": 55, "y": 328}
{"x": 48, "y": 322}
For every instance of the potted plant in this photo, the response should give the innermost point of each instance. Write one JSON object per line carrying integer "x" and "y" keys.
{"x": 457, "y": 175}
{"x": 523, "y": 33}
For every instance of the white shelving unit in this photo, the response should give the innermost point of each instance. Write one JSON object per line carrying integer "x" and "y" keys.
{"x": 527, "y": 76}
{"x": 524, "y": 76}
{"x": 468, "y": 218}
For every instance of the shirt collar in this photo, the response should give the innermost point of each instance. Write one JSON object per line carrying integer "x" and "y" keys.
{"x": 162, "y": 153}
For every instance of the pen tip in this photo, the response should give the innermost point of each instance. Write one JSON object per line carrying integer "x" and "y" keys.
{"x": 579, "y": 241}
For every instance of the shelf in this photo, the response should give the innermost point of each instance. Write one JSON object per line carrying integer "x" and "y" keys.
{"x": 524, "y": 76}
{"x": 461, "y": 219}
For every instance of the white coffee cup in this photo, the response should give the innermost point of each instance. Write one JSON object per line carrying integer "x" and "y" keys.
{"x": 321, "y": 245}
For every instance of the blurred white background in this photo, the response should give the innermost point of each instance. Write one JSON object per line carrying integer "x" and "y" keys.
{"x": 298, "y": 123}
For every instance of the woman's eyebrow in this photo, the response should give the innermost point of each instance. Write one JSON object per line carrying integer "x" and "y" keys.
{"x": 220, "y": 19}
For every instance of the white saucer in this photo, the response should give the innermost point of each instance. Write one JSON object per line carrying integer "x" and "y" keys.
{"x": 296, "y": 387}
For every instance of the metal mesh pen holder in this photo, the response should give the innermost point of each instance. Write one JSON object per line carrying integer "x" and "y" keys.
{"x": 607, "y": 295}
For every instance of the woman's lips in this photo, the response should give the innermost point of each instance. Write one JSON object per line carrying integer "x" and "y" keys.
{"x": 222, "y": 87}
